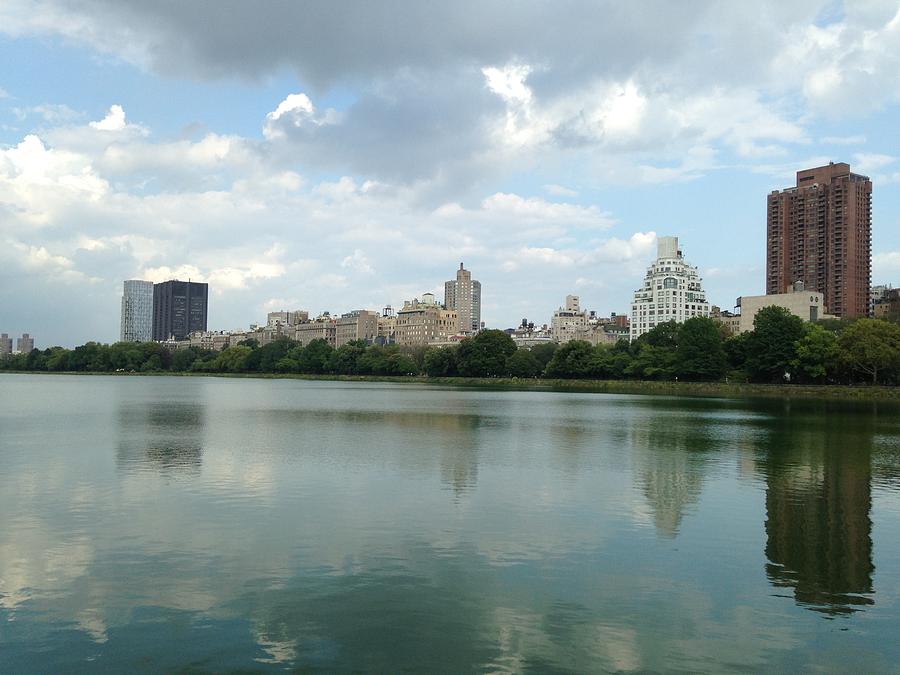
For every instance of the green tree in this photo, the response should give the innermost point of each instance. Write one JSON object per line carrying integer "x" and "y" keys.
{"x": 232, "y": 359}
{"x": 872, "y": 347}
{"x": 315, "y": 357}
{"x": 699, "y": 354}
{"x": 345, "y": 358}
{"x": 263, "y": 360}
{"x": 771, "y": 346}
{"x": 664, "y": 335}
{"x": 818, "y": 353}
{"x": 571, "y": 360}
{"x": 523, "y": 363}
{"x": 485, "y": 354}
{"x": 441, "y": 362}
{"x": 652, "y": 362}
{"x": 544, "y": 352}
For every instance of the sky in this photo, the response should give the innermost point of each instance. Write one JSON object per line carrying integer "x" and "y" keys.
{"x": 347, "y": 155}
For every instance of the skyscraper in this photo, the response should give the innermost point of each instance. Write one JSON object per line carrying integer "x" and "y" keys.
{"x": 819, "y": 232}
{"x": 25, "y": 344}
{"x": 671, "y": 291}
{"x": 179, "y": 309}
{"x": 464, "y": 295}
{"x": 5, "y": 344}
{"x": 137, "y": 311}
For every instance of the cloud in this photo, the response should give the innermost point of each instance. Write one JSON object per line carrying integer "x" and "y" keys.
{"x": 870, "y": 162}
{"x": 560, "y": 190}
{"x": 886, "y": 267}
{"x": 855, "y": 139}
{"x": 114, "y": 120}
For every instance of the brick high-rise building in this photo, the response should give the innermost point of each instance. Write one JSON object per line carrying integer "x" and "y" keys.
{"x": 179, "y": 309}
{"x": 819, "y": 232}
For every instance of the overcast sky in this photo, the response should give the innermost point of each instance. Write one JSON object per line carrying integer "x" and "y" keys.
{"x": 335, "y": 156}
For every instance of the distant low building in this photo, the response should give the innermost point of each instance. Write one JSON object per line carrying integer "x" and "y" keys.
{"x": 323, "y": 328}
{"x": 283, "y": 318}
{"x": 807, "y": 305}
{"x": 888, "y": 304}
{"x": 425, "y": 322}
{"x": 360, "y": 324}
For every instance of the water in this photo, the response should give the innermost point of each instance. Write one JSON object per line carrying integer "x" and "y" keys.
{"x": 208, "y": 525}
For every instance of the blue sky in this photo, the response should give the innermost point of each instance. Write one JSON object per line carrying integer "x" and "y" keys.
{"x": 347, "y": 156}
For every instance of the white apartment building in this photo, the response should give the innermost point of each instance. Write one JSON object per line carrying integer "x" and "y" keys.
{"x": 671, "y": 291}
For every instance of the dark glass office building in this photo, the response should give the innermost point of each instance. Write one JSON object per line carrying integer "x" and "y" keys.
{"x": 179, "y": 308}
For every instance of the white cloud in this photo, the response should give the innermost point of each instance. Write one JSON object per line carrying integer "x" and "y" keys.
{"x": 854, "y": 139}
{"x": 296, "y": 110}
{"x": 359, "y": 262}
{"x": 886, "y": 267}
{"x": 871, "y": 162}
{"x": 114, "y": 120}
{"x": 559, "y": 190}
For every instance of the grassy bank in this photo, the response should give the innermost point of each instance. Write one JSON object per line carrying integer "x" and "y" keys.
{"x": 708, "y": 389}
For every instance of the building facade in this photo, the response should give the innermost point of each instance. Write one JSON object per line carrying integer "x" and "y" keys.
{"x": 323, "y": 328}
{"x": 179, "y": 309}
{"x": 424, "y": 323}
{"x": 136, "y": 324}
{"x": 463, "y": 295}
{"x": 819, "y": 233}
{"x": 274, "y": 319}
{"x": 808, "y": 305}
{"x": 360, "y": 324}
{"x": 25, "y": 344}
{"x": 569, "y": 322}
{"x": 5, "y": 344}
{"x": 671, "y": 292}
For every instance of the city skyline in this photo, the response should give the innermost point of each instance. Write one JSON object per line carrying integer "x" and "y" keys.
{"x": 323, "y": 172}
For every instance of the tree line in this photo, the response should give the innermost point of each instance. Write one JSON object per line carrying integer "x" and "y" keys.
{"x": 781, "y": 348}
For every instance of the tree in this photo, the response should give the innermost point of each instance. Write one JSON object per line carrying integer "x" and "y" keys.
{"x": 344, "y": 360}
{"x": 440, "y": 361}
{"x": 485, "y": 354}
{"x": 544, "y": 352}
{"x": 571, "y": 360}
{"x": 664, "y": 335}
{"x": 232, "y": 359}
{"x": 315, "y": 357}
{"x": 652, "y": 362}
{"x": 699, "y": 354}
{"x": 522, "y": 363}
{"x": 771, "y": 346}
{"x": 872, "y": 347}
{"x": 818, "y": 353}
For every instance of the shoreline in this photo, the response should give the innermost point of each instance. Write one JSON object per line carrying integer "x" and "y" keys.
{"x": 647, "y": 387}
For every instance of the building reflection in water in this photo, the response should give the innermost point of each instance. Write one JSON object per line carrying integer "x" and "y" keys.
{"x": 165, "y": 437}
{"x": 671, "y": 454}
{"x": 818, "y": 500}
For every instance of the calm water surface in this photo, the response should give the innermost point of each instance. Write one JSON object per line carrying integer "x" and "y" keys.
{"x": 209, "y": 525}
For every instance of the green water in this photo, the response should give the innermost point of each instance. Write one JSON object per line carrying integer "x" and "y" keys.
{"x": 208, "y": 525}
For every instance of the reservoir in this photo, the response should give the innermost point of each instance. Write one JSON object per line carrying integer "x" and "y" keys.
{"x": 216, "y": 524}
